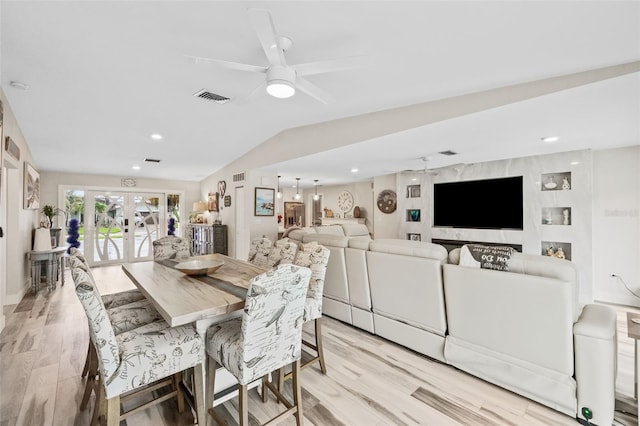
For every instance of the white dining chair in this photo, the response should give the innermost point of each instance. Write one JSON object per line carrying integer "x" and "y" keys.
{"x": 259, "y": 251}
{"x": 266, "y": 338}
{"x": 146, "y": 357}
{"x": 282, "y": 252}
{"x": 171, "y": 247}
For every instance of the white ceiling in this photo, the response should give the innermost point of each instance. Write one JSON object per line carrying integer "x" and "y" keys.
{"x": 104, "y": 76}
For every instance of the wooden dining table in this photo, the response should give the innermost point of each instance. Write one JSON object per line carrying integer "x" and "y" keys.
{"x": 200, "y": 300}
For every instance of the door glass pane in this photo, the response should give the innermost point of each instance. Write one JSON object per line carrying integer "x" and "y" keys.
{"x": 173, "y": 212}
{"x": 108, "y": 231}
{"x": 147, "y": 220}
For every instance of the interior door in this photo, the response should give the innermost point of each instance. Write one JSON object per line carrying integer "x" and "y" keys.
{"x": 121, "y": 227}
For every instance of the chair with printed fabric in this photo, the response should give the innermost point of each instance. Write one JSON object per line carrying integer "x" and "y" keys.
{"x": 146, "y": 357}
{"x": 266, "y": 338}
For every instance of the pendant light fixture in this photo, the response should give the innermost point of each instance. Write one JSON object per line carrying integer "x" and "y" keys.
{"x": 297, "y": 197}
{"x": 316, "y": 197}
{"x": 278, "y": 194}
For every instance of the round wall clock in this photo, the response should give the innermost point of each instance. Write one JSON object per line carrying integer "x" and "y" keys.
{"x": 345, "y": 201}
{"x": 387, "y": 201}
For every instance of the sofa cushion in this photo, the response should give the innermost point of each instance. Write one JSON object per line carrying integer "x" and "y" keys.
{"x": 327, "y": 240}
{"x": 298, "y": 233}
{"x": 355, "y": 229}
{"x": 409, "y": 248}
{"x": 330, "y": 230}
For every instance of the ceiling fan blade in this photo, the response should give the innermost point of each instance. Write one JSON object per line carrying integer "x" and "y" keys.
{"x": 266, "y": 31}
{"x": 312, "y": 90}
{"x": 257, "y": 89}
{"x": 226, "y": 64}
{"x": 330, "y": 65}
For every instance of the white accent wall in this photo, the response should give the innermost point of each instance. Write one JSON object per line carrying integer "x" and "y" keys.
{"x": 616, "y": 225}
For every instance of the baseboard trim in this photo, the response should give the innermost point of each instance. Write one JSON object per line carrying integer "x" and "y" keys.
{"x": 14, "y": 299}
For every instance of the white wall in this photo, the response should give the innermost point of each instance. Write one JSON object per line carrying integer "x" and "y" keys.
{"x": 535, "y": 200}
{"x": 385, "y": 225}
{"x": 19, "y": 222}
{"x": 616, "y": 225}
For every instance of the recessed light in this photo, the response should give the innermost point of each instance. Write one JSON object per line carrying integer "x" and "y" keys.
{"x": 414, "y": 179}
{"x": 19, "y": 85}
{"x": 136, "y": 167}
{"x": 550, "y": 139}
{"x": 574, "y": 163}
{"x": 156, "y": 136}
{"x": 354, "y": 170}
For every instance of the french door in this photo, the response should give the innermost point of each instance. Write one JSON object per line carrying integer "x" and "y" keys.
{"x": 121, "y": 226}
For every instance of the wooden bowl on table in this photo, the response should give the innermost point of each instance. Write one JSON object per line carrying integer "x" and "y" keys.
{"x": 199, "y": 266}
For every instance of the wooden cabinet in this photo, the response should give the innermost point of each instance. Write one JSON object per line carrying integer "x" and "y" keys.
{"x": 207, "y": 239}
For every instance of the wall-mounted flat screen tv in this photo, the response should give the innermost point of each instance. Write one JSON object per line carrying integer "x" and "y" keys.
{"x": 479, "y": 204}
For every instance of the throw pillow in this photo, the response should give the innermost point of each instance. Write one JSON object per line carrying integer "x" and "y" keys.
{"x": 486, "y": 257}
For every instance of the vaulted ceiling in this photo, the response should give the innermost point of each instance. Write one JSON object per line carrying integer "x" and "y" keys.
{"x": 104, "y": 76}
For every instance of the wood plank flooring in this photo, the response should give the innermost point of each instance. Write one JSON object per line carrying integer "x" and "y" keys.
{"x": 370, "y": 381}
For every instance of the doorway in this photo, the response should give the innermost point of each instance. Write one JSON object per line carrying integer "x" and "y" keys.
{"x": 293, "y": 214}
{"x": 121, "y": 226}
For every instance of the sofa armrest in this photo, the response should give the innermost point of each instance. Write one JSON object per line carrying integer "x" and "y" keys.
{"x": 595, "y": 339}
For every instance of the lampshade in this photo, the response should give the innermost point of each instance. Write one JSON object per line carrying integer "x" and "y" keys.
{"x": 42, "y": 240}
{"x": 315, "y": 184}
{"x": 200, "y": 206}
{"x": 279, "y": 193}
{"x": 297, "y": 196}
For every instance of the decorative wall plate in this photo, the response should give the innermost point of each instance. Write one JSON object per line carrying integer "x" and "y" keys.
{"x": 222, "y": 188}
{"x": 128, "y": 182}
{"x": 345, "y": 201}
{"x": 387, "y": 201}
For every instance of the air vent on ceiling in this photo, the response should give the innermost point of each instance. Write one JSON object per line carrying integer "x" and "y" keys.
{"x": 448, "y": 152}
{"x": 152, "y": 160}
{"x": 210, "y": 96}
{"x": 238, "y": 177}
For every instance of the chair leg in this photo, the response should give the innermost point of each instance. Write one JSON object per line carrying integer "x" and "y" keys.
{"x": 264, "y": 388}
{"x": 243, "y": 409}
{"x": 177, "y": 378}
{"x": 199, "y": 394}
{"x": 85, "y": 369}
{"x": 211, "y": 385}
{"x": 99, "y": 408}
{"x": 297, "y": 392}
{"x": 318, "y": 324}
{"x": 113, "y": 411}
{"x": 92, "y": 372}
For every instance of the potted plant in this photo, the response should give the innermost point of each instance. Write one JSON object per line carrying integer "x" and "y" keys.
{"x": 50, "y": 212}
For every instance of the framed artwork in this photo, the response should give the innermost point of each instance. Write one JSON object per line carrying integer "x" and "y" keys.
{"x": 264, "y": 202}
{"x": 414, "y": 237}
{"x": 212, "y": 202}
{"x": 31, "y": 187}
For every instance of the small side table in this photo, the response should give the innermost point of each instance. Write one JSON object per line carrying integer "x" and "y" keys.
{"x": 51, "y": 259}
{"x": 633, "y": 331}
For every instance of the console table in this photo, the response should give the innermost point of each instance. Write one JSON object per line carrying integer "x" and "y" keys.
{"x": 207, "y": 239}
{"x": 51, "y": 259}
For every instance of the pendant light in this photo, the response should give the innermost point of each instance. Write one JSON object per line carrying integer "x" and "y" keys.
{"x": 297, "y": 197}
{"x": 278, "y": 194}
{"x": 316, "y": 197}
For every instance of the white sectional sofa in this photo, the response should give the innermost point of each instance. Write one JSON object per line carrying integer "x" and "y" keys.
{"x": 523, "y": 330}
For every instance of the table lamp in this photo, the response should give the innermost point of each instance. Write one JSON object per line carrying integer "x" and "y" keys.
{"x": 42, "y": 240}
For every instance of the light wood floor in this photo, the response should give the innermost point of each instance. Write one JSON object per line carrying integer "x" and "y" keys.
{"x": 370, "y": 381}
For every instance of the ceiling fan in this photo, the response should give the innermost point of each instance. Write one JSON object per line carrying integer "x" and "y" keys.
{"x": 282, "y": 80}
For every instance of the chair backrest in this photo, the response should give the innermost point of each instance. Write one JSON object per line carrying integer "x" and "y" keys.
{"x": 282, "y": 253}
{"x": 170, "y": 247}
{"x": 259, "y": 251}
{"x": 100, "y": 328}
{"x": 315, "y": 257}
{"x": 272, "y": 321}
{"x": 77, "y": 261}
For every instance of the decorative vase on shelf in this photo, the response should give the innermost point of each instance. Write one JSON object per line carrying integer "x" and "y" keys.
{"x": 356, "y": 212}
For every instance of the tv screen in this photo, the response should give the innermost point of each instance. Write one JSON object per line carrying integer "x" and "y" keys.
{"x": 479, "y": 204}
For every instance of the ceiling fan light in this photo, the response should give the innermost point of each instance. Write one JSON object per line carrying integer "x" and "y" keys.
{"x": 280, "y": 89}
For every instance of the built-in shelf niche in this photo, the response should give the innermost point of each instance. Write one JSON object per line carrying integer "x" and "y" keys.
{"x": 556, "y": 249}
{"x": 556, "y": 216}
{"x": 413, "y": 215}
{"x": 560, "y": 181}
{"x": 414, "y": 237}
{"x": 413, "y": 191}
